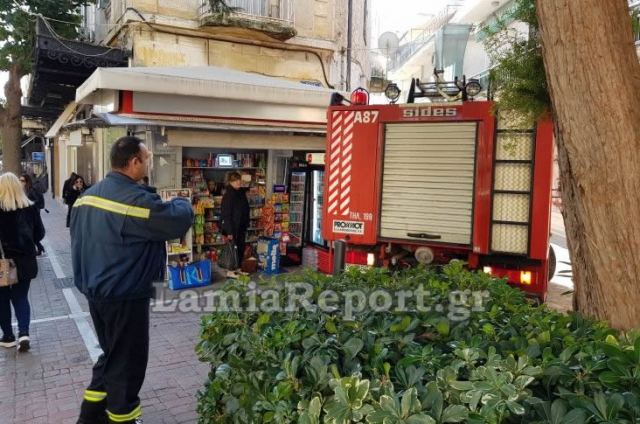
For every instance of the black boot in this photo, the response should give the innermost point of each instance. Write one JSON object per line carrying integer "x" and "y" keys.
{"x": 93, "y": 413}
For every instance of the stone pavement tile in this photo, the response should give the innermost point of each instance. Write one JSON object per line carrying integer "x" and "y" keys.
{"x": 57, "y": 235}
{"x": 558, "y": 299}
{"x": 47, "y": 300}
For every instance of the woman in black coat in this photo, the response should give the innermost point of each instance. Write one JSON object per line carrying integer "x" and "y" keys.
{"x": 71, "y": 192}
{"x": 36, "y": 197}
{"x": 235, "y": 213}
{"x": 20, "y": 229}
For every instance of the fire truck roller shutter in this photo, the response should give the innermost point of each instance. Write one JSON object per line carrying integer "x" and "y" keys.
{"x": 428, "y": 181}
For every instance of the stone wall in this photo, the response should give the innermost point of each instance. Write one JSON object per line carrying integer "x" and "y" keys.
{"x": 321, "y": 25}
{"x": 161, "y": 49}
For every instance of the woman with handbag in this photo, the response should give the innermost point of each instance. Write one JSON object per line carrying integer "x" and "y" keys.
{"x": 20, "y": 229}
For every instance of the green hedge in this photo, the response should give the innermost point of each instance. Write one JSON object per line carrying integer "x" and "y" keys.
{"x": 512, "y": 362}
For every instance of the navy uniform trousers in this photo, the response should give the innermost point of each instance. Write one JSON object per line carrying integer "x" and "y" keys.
{"x": 123, "y": 333}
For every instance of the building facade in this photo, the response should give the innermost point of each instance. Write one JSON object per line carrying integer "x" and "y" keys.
{"x": 451, "y": 41}
{"x": 301, "y": 42}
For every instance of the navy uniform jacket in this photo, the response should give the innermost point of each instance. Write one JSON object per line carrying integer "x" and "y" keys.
{"x": 118, "y": 231}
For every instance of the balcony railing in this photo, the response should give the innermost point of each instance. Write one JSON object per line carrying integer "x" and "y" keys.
{"x": 417, "y": 38}
{"x": 276, "y": 11}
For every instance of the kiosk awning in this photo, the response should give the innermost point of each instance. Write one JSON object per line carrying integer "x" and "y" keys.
{"x": 204, "y": 92}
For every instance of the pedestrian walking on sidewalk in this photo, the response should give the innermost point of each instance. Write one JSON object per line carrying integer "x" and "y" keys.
{"x": 36, "y": 197}
{"x": 70, "y": 193}
{"x": 118, "y": 234}
{"x": 20, "y": 230}
{"x": 235, "y": 214}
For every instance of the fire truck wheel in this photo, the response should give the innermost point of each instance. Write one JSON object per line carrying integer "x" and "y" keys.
{"x": 552, "y": 262}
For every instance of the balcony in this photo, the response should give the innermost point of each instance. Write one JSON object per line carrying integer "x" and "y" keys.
{"x": 272, "y": 17}
{"x": 415, "y": 39}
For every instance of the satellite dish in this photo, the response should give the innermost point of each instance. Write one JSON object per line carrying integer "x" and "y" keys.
{"x": 388, "y": 43}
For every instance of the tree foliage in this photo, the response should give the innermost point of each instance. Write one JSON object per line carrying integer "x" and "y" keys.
{"x": 18, "y": 28}
{"x": 17, "y": 42}
{"x": 518, "y": 76}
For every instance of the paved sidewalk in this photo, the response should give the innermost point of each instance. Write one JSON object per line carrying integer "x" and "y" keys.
{"x": 46, "y": 384}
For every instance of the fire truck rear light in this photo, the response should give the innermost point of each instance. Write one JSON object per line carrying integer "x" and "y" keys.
{"x": 525, "y": 277}
{"x": 487, "y": 270}
{"x": 356, "y": 257}
{"x": 371, "y": 259}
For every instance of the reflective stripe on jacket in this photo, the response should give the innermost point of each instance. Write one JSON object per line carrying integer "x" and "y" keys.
{"x": 118, "y": 231}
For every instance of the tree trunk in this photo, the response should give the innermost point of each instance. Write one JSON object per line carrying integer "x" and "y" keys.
{"x": 11, "y": 116}
{"x": 594, "y": 81}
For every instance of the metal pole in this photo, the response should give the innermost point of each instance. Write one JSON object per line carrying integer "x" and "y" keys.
{"x": 349, "y": 42}
{"x": 339, "y": 250}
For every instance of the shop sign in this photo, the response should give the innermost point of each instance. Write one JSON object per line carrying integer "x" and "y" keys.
{"x": 348, "y": 227}
{"x": 37, "y": 156}
{"x": 315, "y": 158}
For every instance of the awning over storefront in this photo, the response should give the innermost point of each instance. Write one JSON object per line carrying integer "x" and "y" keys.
{"x": 209, "y": 139}
{"x": 205, "y": 93}
{"x": 116, "y": 120}
{"x": 59, "y": 67}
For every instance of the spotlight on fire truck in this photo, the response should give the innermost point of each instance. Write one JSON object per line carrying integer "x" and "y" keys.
{"x": 473, "y": 88}
{"x": 392, "y": 92}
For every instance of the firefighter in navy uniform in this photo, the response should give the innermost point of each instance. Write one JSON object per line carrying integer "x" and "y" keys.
{"x": 118, "y": 234}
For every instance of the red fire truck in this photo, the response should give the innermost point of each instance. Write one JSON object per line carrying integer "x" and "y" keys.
{"x": 430, "y": 182}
